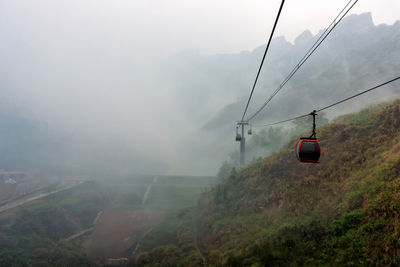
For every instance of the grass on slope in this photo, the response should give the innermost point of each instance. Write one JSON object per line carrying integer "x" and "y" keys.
{"x": 279, "y": 211}
{"x": 343, "y": 211}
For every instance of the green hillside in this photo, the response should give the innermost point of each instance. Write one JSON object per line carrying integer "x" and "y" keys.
{"x": 36, "y": 234}
{"x": 343, "y": 211}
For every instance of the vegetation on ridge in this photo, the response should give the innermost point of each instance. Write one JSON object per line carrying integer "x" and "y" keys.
{"x": 277, "y": 211}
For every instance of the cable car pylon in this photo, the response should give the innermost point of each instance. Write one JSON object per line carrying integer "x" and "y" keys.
{"x": 242, "y": 140}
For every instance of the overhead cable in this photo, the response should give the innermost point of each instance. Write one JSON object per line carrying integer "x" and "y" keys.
{"x": 331, "y": 105}
{"x": 263, "y": 59}
{"x": 314, "y": 47}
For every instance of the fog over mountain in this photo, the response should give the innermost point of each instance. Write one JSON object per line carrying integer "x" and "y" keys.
{"x": 356, "y": 56}
{"x": 84, "y": 106}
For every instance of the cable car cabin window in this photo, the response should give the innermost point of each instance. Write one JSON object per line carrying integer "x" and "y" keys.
{"x": 308, "y": 151}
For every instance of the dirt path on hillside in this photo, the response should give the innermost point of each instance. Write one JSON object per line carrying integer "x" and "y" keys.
{"x": 87, "y": 230}
{"x": 148, "y": 190}
{"x": 140, "y": 241}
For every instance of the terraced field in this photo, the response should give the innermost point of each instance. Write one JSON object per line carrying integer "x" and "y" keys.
{"x": 143, "y": 213}
{"x": 117, "y": 233}
{"x": 105, "y": 220}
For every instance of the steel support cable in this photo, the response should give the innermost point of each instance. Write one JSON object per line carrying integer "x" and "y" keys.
{"x": 331, "y": 105}
{"x": 263, "y": 59}
{"x": 315, "y": 46}
{"x": 305, "y": 57}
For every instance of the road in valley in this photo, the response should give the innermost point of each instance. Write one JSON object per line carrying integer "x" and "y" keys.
{"x": 31, "y": 197}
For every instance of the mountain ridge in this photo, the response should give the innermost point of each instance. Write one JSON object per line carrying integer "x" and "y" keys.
{"x": 280, "y": 212}
{"x": 351, "y": 32}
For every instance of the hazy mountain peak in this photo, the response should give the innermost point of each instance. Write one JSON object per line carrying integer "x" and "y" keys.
{"x": 303, "y": 38}
{"x": 281, "y": 43}
{"x": 360, "y": 23}
{"x": 280, "y": 40}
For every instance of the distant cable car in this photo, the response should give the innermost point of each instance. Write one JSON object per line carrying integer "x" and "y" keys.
{"x": 238, "y": 136}
{"x": 250, "y": 132}
{"x": 308, "y": 149}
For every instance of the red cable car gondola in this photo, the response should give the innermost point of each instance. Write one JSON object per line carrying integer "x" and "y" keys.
{"x": 309, "y": 149}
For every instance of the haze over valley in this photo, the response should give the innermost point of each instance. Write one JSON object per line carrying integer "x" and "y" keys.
{"x": 85, "y": 114}
{"x": 118, "y": 125}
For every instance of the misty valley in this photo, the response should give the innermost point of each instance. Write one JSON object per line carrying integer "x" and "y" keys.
{"x": 112, "y": 218}
{"x": 161, "y": 133}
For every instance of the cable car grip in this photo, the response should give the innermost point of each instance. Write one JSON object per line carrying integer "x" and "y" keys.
{"x": 314, "y": 133}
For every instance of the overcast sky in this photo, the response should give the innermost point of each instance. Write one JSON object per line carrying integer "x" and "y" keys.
{"x": 212, "y": 26}
{"x": 91, "y": 65}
